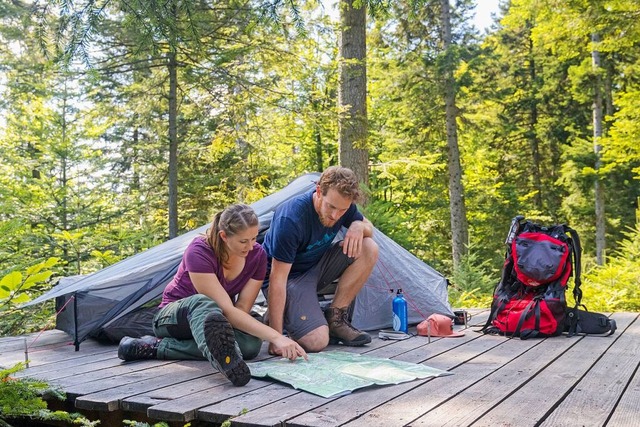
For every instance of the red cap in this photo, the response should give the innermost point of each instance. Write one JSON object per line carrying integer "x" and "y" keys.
{"x": 438, "y": 325}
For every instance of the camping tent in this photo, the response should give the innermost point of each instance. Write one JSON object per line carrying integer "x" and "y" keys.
{"x": 119, "y": 298}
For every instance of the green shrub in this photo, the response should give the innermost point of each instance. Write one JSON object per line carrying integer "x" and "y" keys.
{"x": 24, "y": 398}
{"x": 472, "y": 283}
{"x": 17, "y": 288}
{"x": 614, "y": 286}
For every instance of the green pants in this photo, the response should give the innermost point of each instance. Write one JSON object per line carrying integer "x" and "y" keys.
{"x": 180, "y": 324}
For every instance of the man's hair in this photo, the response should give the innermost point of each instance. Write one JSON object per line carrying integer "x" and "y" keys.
{"x": 341, "y": 179}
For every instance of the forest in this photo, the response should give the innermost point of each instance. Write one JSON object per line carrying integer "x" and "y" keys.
{"x": 127, "y": 123}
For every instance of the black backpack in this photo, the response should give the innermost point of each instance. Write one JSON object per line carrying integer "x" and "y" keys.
{"x": 530, "y": 299}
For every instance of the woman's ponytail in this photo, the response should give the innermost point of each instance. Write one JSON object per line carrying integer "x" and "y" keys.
{"x": 232, "y": 220}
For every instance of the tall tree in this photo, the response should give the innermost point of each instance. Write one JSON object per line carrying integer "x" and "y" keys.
{"x": 459, "y": 225}
{"x": 597, "y": 149}
{"x": 352, "y": 88}
{"x": 183, "y": 37}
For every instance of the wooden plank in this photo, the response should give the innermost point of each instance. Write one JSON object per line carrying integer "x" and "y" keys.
{"x": 250, "y": 401}
{"x": 338, "y": 412}
{"x": 551, "y": 384}
{"x": 157, "y": 377}
{"x": 279, "y": 412}
{"x": 598, "y": 376}
{"x": 92, "y": 379}
{"x": 53, "y": 352}
{"x": 125, "y": 373}
{"x": 35, "y": 340}
{"x": 469, "y": 365}
{"x": 469, "y": 405}
{"x": 308, "y": 409}
{"x": 142, "y": 402}
{"x": 594, "y": 398}
{"x": 71, "y": 367}
{"x": 186, "y": 408}
{"x": 70, "y": 371}
{"x": 478, "y": 317}
{"x": 342, "y": 410}
{"x": 210, "y": 411}
{"x": 254, "y": 400}
{"x": 626, "y": 413}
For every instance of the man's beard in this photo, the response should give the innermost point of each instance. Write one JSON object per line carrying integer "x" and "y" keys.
{"x": 326, "y": 221}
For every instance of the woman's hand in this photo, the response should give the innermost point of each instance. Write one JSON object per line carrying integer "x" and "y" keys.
{"x": 288, "y": 348}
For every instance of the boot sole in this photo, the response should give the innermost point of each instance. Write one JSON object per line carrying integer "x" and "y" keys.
{"x": 365, "y": 339}
{"x": 221, "y": 342}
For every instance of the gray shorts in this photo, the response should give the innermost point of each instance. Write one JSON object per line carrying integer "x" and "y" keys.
{"x": 302, "y": 313}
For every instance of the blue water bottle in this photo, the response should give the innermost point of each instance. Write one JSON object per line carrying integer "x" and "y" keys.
{"x": 400, "y": 315}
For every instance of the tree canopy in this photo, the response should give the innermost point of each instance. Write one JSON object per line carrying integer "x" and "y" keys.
{"x": 127, "y": 123}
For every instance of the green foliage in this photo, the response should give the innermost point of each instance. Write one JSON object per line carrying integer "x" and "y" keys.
{"x": 614, "y": 286}
{"x": 17, "y": 288}
{"x": 473, "y": 282}
{"x": 84, "y": 146}
{"x": 143, "y": 424}
{"x": 25, "y": 399}
{"x": 227, "y": 423}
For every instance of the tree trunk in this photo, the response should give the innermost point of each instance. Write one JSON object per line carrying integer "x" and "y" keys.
{"x": 173, "y": 145}
{"x": 317, "y": 136}
{"x": 352, "y": 89}
{"x": 64, "y": 212}
{"x": 458, "y": 211}
{"x": 597, "y": 147}
{"x": 532, "y": 135}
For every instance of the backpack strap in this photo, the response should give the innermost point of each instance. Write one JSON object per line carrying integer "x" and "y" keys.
{"x": 572, "y": 313}
{"x": 495, "y": 309}
{"x": 523, "y": 317}
{"x": 499, "y": 302}
{"x": 577, "y": 263}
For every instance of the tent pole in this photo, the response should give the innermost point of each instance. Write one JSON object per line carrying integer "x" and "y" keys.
{"x": 75, "y": 322}
{"x": 26, "y": 353}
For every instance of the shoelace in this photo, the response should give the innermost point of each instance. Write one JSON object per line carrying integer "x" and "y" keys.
{"x": 345, "y": 320}
{"x": 144, "y": 349}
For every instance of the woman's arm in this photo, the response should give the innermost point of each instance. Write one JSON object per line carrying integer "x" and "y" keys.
{"x": 209, "y": 285}
{"x": 248, "y": 295}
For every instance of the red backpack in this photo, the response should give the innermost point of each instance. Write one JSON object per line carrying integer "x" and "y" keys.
{"x": 529, "y": 301}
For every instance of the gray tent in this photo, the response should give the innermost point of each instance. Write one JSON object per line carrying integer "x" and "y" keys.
{"x": 119, "y": 299}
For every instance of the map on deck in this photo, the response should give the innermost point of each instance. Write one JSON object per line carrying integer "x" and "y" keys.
{"x": 335, "y": 373}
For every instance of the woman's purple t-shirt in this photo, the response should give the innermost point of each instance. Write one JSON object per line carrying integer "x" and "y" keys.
{"x": 199, "y": 258}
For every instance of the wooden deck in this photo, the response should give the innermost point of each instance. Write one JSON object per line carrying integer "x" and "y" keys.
{"x": 578, "y": 381}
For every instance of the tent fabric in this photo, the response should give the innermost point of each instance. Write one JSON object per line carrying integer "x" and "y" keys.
{"x": 114, "y": 297}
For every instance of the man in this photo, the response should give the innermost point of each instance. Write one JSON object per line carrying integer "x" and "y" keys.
{"x": 303, "y": 260}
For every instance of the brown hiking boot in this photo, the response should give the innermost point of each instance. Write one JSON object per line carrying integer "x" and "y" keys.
{"x": 341, "y": 331}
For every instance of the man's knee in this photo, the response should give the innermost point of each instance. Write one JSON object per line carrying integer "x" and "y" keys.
{"x": 369, "y": 255}
{"x": 370, "y": 249}
{"x": 316, "y": 340}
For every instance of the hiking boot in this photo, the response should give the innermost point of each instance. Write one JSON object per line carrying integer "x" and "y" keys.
{"x": 138, "y": 348}
{"x": 225, "y": 353}
{"x": 341, "y": 331}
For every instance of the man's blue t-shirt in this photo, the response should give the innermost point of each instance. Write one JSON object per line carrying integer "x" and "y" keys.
{"x": 296, "y": 235}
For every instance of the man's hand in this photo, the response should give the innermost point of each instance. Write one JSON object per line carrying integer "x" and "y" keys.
{"x": 288, "y": 348}
{"x": 357, "y": 231}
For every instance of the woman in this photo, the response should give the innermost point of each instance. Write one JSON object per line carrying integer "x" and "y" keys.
{"x": 205, "y": 308}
